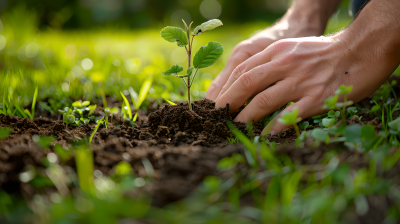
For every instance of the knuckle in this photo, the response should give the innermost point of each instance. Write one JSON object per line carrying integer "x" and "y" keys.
{"x": 243, "y": 49}
{"x": 263, "y": 100}
{"x": 238, "y": 71}
{"x": 291, "y": 57}
{"x": 279, "y": 45}
{"x": 213, "y": 85}
{"x": 248, "y": 80}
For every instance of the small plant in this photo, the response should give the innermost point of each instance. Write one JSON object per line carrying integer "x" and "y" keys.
{"x": 331, "y": 102}
{"x": 108, "y": 111}
{"x": 233, "y": 140}
{"x": 69, "y": 114}
{"x": 32, "y": 114}
{"x": 290, "y": 118}
{"x": 331, "y": 119}
{"x": 99, "y": 122}
{"x": 204, "y": 57}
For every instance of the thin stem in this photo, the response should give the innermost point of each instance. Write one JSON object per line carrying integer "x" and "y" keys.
{"x": 189, "y": 52}
{"x": 184, "y": 82}
{"x": 344, "y": 110}
{"x": 194, "y": 76}
{"x": 296, "y": 128}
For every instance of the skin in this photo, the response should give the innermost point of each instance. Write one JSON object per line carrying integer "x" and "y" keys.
{"x": 308, "y": 70}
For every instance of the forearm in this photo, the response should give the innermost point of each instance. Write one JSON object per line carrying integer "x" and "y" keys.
{"x": 375, "y": 34}
{"x": 312, "y": 15}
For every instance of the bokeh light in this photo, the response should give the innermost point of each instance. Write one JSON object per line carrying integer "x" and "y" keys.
{"x": 178, "y": 15}
{"x": 70, "y": 51}
{"x": 87, "y": 64}
{"x": 178, "y": 55}
{"x": 31, "y": 50}
{"x": 210, "y": 9}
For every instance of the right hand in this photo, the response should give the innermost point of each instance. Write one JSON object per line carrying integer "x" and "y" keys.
{"x": 255, "y": 44}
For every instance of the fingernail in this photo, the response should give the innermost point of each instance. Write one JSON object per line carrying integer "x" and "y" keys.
{"x": 272, "y": 132}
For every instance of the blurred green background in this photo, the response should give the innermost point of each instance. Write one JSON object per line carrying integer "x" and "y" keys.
{"x": 75, "y": 49}
{"x": 69, "y": 47}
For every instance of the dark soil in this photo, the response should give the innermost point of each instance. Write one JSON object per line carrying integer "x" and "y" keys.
{"x": 183, "y": 147}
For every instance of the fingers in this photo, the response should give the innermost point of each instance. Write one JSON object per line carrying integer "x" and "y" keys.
{"x": 307, "y": 108}
{"x": 237, "y": 57}
{"x": 247, "y": 85}
{"x": 267, "y": 102}
{"x": 255, "y": 61}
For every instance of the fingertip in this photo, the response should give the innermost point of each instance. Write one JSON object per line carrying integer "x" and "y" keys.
{"x": 272, "y": 132}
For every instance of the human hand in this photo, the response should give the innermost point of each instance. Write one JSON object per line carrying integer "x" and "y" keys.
{"x": 305, "y": 71}
{"x": 294, "y": 24}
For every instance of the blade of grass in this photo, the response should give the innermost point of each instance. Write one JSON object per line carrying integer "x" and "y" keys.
{"x": 103, "y": 96}
{"x": 142, "y": 94}
{"x": 95, "y": 129}
{"x": 84, "y": 166}
{"x": 170, "y": 102}
{"x": 46, "y": 107}
{"x": 143, "y": 91}
{"x": 34, "y": 103}
{"x": 127, "y": 105}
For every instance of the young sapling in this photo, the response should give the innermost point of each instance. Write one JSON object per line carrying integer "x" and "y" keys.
{"x": 204, "y": 57}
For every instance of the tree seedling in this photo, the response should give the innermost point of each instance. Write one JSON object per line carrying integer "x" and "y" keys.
{"x": 290, "y": 118}
{"x": 204, "y": 57}
{"x": 331, "y": 102}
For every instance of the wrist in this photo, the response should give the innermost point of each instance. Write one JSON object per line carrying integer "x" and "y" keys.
{"x": 306, "y": 18}
{"x": 375, "y": 34}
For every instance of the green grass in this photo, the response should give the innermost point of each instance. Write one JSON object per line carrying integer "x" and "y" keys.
{"x": 52, "y": 68}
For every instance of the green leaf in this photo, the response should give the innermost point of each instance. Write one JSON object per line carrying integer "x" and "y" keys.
{"x": 85, "y": 103}
{"x": 208, "y": 55}
{"x": 77, "y": 104}
{"x": 330, "y": 103}
{"x": 170, "y": 102}
{"x": 189, "y": 72}
{"x": 99, "y": 122}
{"x": 304, "y": 125}
{"x": 113, "y": 110}
{"x": 207, "y": 26}
{"x": 353, "y": 133}
{"x": 328, "y": 122}
{"x": 32, "y": 115}
{"x": 344, "y": 104}
{"x": 143, "y": 91}
{"x": 395, "y": 124}
{"x": 290, "y": 117}
{"x": 174, "y": 70}
{"x": 68, "y": 119}
{"x": 128, "y": 107}
{"x": 92, "y": 108}
{"x": 343, "y": 90}
{"x": 331, "y": 113}
{"x": 320, "y": 135}
{"x": 175, "y": 34}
